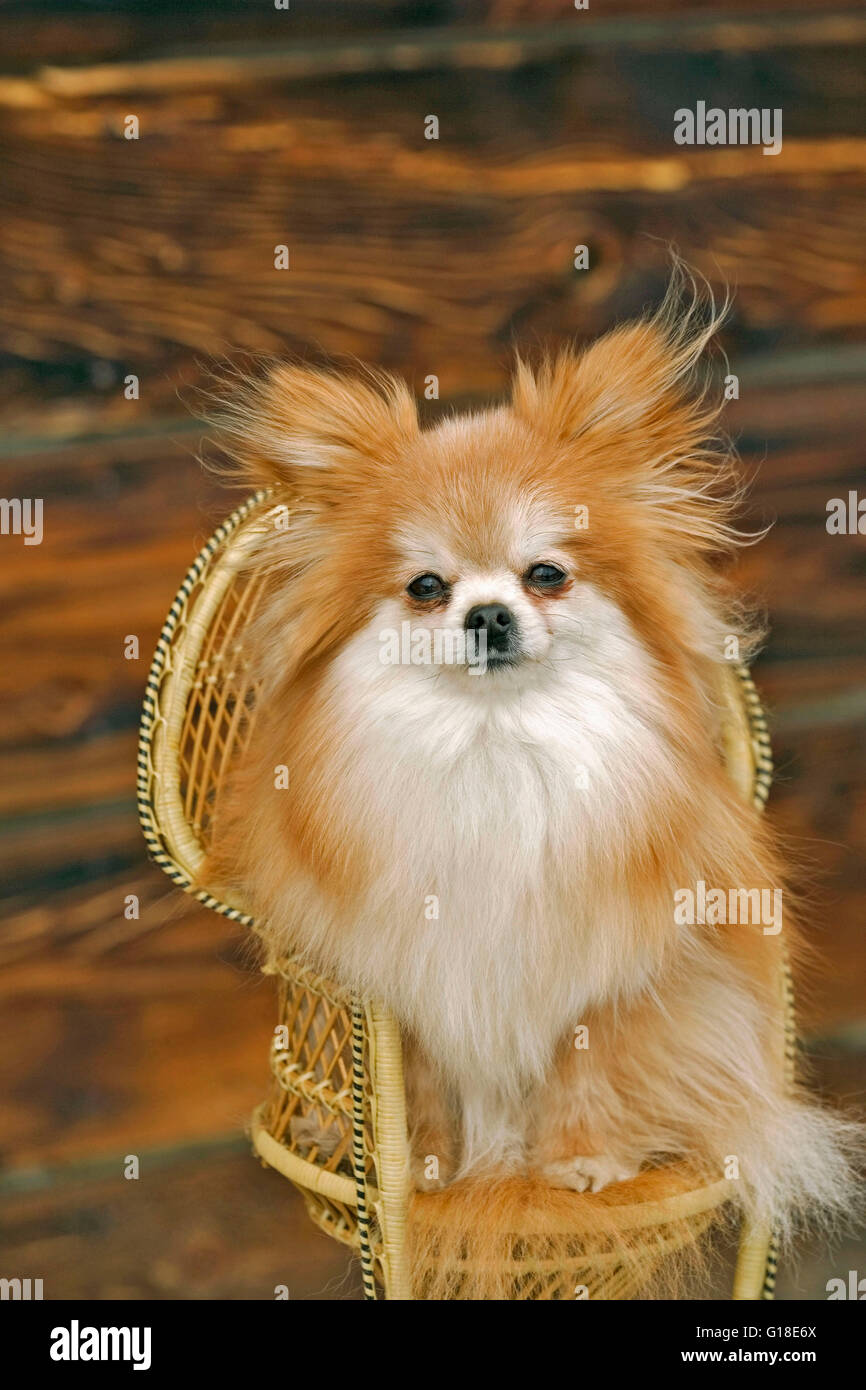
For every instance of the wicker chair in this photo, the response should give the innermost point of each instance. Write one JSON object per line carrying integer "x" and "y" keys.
{"x": 337, "y": 1059}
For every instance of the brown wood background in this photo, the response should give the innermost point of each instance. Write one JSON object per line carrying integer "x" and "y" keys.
{"x": 305, "y": 127}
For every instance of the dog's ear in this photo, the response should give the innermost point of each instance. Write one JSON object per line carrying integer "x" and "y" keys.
{"x": 639, "y": 413}
{"x": 639, "y": 376}
{"x": 314, "y": 432}
{"x": 639, "y": 379}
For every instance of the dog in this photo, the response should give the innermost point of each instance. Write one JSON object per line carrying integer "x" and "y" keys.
{"x": 491, "y": 656}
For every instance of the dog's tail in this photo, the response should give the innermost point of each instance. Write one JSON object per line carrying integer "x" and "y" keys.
{"x": 803, "y": 1167}
{"x": 505, "y": 1237}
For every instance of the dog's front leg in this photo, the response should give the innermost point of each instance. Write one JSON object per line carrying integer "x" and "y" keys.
{"x": 578, "y": 1133}
{"x": 432, "y": 1126}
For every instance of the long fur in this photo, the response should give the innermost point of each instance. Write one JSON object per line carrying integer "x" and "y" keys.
{"x": 496, "y": 856}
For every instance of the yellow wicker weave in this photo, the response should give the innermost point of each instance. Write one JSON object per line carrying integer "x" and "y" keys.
{"x": 336, "y": 1062}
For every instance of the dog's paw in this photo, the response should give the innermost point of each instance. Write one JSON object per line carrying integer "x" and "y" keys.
{"x": 588, "y": 1174}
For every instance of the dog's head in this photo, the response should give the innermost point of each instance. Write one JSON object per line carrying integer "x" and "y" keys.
{"x": 572, "y": 527}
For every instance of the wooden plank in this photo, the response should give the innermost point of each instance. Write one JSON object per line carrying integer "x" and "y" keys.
{"x": 76, "y": 32}
{"x": 102, "y": 1010}
{"x": 428, "y": 50}
{"x": 119, "y": 538}
{"x": 150, "y": 256}
{"x": 412, "y": 295}
{"x": 212, "y": 1224}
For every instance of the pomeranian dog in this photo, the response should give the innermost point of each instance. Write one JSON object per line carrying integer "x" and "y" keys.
{"x": 491, "y": 655}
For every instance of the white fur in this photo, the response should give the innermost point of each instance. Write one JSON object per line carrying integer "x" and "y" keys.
{"x": 475, "y": 790}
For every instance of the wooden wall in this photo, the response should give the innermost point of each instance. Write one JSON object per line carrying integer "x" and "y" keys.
{"x": 305, "y": 127}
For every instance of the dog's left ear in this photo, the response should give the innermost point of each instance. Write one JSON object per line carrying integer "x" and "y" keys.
{"x": 639, "y": 376}
{"x": 633, "y": 405}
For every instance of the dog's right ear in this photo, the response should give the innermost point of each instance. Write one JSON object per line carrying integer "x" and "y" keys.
{"x": 315, "y": 433}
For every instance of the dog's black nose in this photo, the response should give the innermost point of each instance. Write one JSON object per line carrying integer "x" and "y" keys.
{"x": 495, "y": 620}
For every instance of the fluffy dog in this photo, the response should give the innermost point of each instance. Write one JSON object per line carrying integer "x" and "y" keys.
{"x": 492, "y": 834}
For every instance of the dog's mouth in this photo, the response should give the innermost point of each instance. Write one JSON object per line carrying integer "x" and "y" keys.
{"x": 497, "y": 661}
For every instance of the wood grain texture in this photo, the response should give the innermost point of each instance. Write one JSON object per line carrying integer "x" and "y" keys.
{"x": 153, "y": 256}
{"x": 89, "y": 31}
{"x": 237, "y": 1233}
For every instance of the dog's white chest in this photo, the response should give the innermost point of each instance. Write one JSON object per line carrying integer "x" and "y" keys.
{"x": 488, "y": 926}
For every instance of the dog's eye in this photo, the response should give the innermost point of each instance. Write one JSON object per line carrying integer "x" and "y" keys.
{"x": 426, "y": 586}
{"x": 545, "y": 576}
